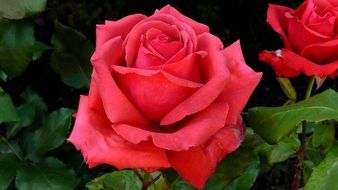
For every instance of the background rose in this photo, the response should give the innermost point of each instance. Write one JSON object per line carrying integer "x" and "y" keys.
{"x": 164, "y": 93}
{"x": 309, "y": 34}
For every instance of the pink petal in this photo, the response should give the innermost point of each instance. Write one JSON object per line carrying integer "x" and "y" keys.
{"x": 112, "y": 29}
{"x": 154, "y": 93}
{"x": 112, "y": 97}
{"x": 198, "y": 27}
{"x": 165, "y": 23}
{"x": 99, "y": 144}
{"x": 214, "y": 74}
{"x": 197, "y": 164}
{"x": 242, "y": 82}
{"x": 186, "y": 68}
{"x": 309, "y": 68}
{"x": 191, "y": 133}
{"x": 278, "y": 21}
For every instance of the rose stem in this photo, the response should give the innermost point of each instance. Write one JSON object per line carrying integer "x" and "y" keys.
{"x": 302, "y": 151}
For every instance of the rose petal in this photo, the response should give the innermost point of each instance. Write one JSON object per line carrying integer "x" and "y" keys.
{"x": 301, "y": 64}
{"x": 159, "y": 21}
{"x": 186, "y": 68}
{"x": 322, "y": 53}
{"x": 296, "y": 29}
{"x": 99, "y": 144}
{"x": 154, "y": 93}
{"x": 278, "y": 21}
{"x": 278, "y": 63}
{"x": 111, "y": 95}
{"x": 189, "y": 134}
{"x": 112, "y": 29}
{"x": 198, "y": 27}
{"x": 214, "y": 74}
{"x": 242, "y": 82}
{"x": 197, "y": 164}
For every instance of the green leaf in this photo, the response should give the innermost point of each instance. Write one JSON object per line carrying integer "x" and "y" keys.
{"x": 51, "y": 135}
{"x": 325, "y": 175}
{"x": 71, "y": 58}
{"x": 180, "y": 184}
{"x": 231, "y": 169}
{"x": 49, "y": 174}
{"x": 7, "y": 109}
{"x": 17, "y": 46}
{"x": 3, "y": 76}
{"x": 274, "y": 123}
{"x": 32, "y": 107}
{"x": 8, "y": 166}
{"x": 283, "y": 150}
{"x": 18, "y": 9}
{"x": 39, "y": 48}
{"x": 323, "y": 136}
{"x": 248, "y": 178}
{"x": 117, "y": 180}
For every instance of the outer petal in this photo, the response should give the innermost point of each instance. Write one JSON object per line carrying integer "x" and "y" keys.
{"x": 296, "y": 29}
{"x": 214, "y": 74}
{"x": 99, "y": 144}
{"x": 198, "y": 27}
{"x": 112, "y": 29}
{"x": 322, "y": 53}
{"x": 279, "y": 22}
{"x": 278, "y": 63}
{"x": 112, "y": 97}
{"x": 197, "y": 164}
{"x": 301, "y": 64}
{"x": 191, "y": 133}
{"x": 154, "y": 93}
{"x": 242, "y": 82}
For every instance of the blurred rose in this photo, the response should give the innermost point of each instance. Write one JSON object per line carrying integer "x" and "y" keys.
{"x": 309, "y": 34}
{"x": 164, "y": 93}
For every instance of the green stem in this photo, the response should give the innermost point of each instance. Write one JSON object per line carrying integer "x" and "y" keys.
{"x": 10, "y": 147}
{"x": 302, "y": 151}
{"x": 309, "y": 87}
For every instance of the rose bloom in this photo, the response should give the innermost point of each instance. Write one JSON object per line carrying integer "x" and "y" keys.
{"x": 310, "y": 38}
{"x": 164, "y": 93}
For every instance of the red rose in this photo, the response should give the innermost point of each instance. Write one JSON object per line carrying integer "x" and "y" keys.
{"x": 164, "y": 93}
{"x": 309, "y": 34}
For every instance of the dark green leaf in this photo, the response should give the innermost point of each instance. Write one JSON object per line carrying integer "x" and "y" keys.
{"x": 283, "y": 150}
{"x": 323, "y": 136}
{"x": 8, "y": 166}
{"x": 9, "y": 147}
{"x": 49, "y": 174}
{"x": 7, "y": 109}
{"x": 274, "y": 123}
{"x": 232, "y": 167}
{"x": 118, "y": 180}
{"x": 17, "y": 46}
{"x": 180, "y": 184}
{"x": 325, "y": 175}
{"x": 71, "y": 58}
{"x": 32, "y": 107}
{"x": 18, "y": 9}
{"x": 39, "y": 48}
{"x": 3, "y": 76}
{"x": 245, "y": 181}
{"x": 51, "y": 135}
